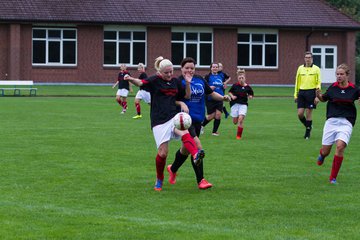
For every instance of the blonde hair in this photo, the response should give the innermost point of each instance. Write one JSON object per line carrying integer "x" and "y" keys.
{"x": 345, "y": 67}
{"x": 141, "y": 66}
{"x": 240, "y": 71}
{"x": 161, "y": 63}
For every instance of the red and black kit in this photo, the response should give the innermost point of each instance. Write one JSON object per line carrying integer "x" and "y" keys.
{"x": 241, "y": 92}
{"x": 341, "y": 101}
{"x": 122, "y": 83}
{"x": 164, "y": 94}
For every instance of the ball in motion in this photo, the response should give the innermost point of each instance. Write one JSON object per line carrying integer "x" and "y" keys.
{"x": 182, "y": 121}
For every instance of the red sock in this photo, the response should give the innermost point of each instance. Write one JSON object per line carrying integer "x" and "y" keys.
{"x": 336, "y": 166}
{"x": 239, "y": 131}
{"x": 119, "y": 101}
{"x": 189, "y": 144}
{"x": 138, "y": 110}
{"x": 124, "y": 105}
{"x": 160, "y": 166}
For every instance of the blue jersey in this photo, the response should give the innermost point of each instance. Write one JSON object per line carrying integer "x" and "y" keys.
{"x": 217, "y": 81}
{"x": 196, "y": 104}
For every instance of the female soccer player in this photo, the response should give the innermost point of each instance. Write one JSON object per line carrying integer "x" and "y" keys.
{"x": 239, "y": 94}
{"x": 199, "y": 89}
{"x": 341, "y": 117}
{"x": 214, "y": 108}
{"x": 141, "y": 94}
{"x": 165, "y": 94}
{"x": 123, "y": 88}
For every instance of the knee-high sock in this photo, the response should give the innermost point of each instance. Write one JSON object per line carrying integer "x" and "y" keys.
{"x": 179, "y": 160}
{"x": 199, "y": 170}
{"x": 189, "y": 144}
{"x": 160, "y": 166}
{"x": 216, "y": 125}
{"x": 239, "y": 131}
{"x": 336, "y": 166}
{"x": 119, "y": 101}
{"x": 303, "y": 120}
{"x": 205, "y": 122}
{"x": 308, "y": 124}
{"x": 138, "y": 108}
{"x": 124, "y": 105}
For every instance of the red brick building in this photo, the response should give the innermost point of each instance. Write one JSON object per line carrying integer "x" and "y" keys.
{"x": 85, "y": 41}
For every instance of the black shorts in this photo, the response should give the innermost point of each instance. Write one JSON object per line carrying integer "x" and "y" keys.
{"x": 306, "y": 99}
{"x": 195, "y": 129}
{"x": 212, "y": 106}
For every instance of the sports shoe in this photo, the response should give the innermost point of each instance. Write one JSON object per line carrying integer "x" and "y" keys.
{"x": 333, "y": 181}
{"x": 320, "y": 160}
{"x": 199, "y": 157}
{"x": 307, "y": 133}
{"x": 226, "y": 115}
{"x": 203, "y": 184}
{"x": 238, "y": 137}
{"x": 215, "y": 134}
{"x": 172, "y": 176}
{"x": 202, "y": 130}
{"x": 158, "y": 185}
{"x": 123, "y": 111}
{"x": 137, "y": 116}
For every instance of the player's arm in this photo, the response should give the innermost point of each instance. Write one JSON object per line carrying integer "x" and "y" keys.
{"x": 218, "y": 97}
{"x": 188, "y": 78}
{"x": 132, "y": 80}
{"x": 115, "y": 84}
{"x": 297, "y": 84}
{"x": 183, "y": 106}
{"x": 320, "y": 96}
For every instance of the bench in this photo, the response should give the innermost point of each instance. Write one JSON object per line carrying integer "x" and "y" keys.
{"x": 17, "y": 86}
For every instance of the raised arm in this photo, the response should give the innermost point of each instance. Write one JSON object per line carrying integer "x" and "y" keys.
{"x": 134, "y": 81}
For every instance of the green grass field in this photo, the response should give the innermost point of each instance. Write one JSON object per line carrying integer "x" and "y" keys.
{"x": 74, "y": 168}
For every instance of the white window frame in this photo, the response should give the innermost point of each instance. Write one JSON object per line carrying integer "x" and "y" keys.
{"x": 48, "y": 40}
{"x": 198, "y": 42}
{"x": 263, "y": 44}
{"x": 131, "y": 29}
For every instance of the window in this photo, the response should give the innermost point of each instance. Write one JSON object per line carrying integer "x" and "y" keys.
{"x": 54, "y": 46}
{"x": 124, "y": 47}
{"x": 258, "y": 50}
{"x": 197, "y": 45}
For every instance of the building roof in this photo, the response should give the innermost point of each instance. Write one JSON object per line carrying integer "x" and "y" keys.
{"x": 240, "y": 13}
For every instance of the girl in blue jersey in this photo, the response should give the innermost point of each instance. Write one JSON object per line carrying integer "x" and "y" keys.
{"x": 166, "y": 93}
{"x": 199, "y": 89}
{"x": 239, "y": 93}
{"x": 214, "y": 108}
{"x": 341, "y": 118}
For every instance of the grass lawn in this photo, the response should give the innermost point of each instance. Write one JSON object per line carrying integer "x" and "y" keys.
{"x": 75, "y": 168}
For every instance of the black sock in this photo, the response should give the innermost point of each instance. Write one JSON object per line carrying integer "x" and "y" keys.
{"x": 308, "y": 124}
{"x": 225, "y": 111}
{"x": 205, "y": 122}
{"x": 303, "y": 120}
{"x": 179, "y": 160}
{"x": 216, "y": 125}
{"x": 199, "y": 172}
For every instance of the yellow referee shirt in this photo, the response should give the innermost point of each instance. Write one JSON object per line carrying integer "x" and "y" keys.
{"x": 307, "y": 78}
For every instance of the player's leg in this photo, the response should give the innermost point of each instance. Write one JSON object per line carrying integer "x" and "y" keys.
{"x": 337, "y": 161}
{"x": 160, "y": 165}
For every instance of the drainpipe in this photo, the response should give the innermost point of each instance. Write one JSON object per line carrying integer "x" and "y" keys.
{"x": 307, "y": 40}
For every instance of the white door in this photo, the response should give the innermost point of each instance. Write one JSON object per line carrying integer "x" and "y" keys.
{"x": 325, "y": 57}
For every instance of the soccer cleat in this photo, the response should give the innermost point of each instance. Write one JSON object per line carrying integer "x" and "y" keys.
{"x": 215, "y": 134}
{"x": 123, "y": 111}
{"x": 333, "y": 181}
{"x": 203, "y": 184}
{"x": 238, "y": 137}
{"x": 202, "y": 130}
{"x": 199, "y": 157}
{"x": 172, "y": 176}
{"x": 226, "y": 115}
{"x": 320, "y": 160}
{"x": 137, "y": 116}
{"x": 307, "y": 133}
{"x": 158, "y": 185}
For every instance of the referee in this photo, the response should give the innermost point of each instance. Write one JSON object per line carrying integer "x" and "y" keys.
{"x": 308, "y": 80}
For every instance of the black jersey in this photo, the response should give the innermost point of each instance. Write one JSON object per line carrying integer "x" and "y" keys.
{"x": 122, "y": 83}
{"x": 341, "y": 101}
{"x": 164, "y": 94}
{"x": 142, "y": 76}
{"x": 241, "y": 92}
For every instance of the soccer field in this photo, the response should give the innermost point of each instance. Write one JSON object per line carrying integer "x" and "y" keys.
{"x": 75, "y": 168}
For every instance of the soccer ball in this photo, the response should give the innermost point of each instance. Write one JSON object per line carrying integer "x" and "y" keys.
{"x": 182, "y": 121}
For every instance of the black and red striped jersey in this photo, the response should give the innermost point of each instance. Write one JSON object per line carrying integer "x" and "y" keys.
{"x": 341, "y": 101}
{"x": 164, "y": 94}
{"x": 122, "y": 83}
{"x": 241, "y": 92}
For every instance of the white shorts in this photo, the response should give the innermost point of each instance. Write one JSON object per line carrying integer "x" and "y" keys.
{"x": 164, "y": 132}
{"x": 238, "y": 109}
{"x": 144, "y": 95}
{"x": 336, "y": 129}
{"x": 123, "y": 92}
